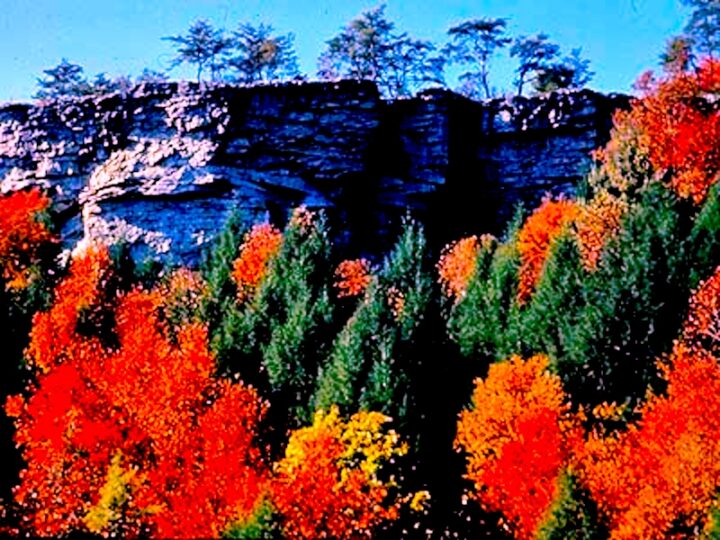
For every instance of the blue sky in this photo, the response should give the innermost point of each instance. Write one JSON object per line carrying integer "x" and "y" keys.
{"x": 622, "y": 38}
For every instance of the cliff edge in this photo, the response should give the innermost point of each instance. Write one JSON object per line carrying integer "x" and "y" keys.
{"x": 163, "y": 165}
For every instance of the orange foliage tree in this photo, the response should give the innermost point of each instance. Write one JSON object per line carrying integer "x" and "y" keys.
{"x": 702, "y": 326}
{"x": 78, "y": 295}
{"x": 518, "y": 436}
{"x": 183, "y": 293}
{"x": 536, "y": 237}
{"x": 597, "y": 220}
{"x": 592, "y": 223}
{"x": 21, "y": 235}
{"x": 329, "y": 484}
{"x": 676, "y": 125}
{"x": 457, "y": 266}
{"x": 352, "y": 277}
{"x": 663, "y": 472}
{"x": 130, "y": 433}
{"x": 260, "y": 245}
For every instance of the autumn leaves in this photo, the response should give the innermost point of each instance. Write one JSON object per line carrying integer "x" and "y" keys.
{"x": 597, "y": 407}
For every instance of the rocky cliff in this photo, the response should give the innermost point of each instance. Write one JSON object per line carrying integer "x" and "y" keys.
{"x": 163, "y": 165}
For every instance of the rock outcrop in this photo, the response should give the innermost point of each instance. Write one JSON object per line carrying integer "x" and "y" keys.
{"x": 162, "y": 166}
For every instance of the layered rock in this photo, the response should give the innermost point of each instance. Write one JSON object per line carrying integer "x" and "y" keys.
{"x": 162, "y": 166}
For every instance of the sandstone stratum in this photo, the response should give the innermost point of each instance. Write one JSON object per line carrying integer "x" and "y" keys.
{"x": 162, "y": 166}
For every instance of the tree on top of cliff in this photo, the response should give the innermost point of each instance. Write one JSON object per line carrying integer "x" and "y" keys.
{"x": 703, "y": 26}
{"x": 534, "y": 53}
{"x": 573, "y": 71}
{"x": 151, "y": 76}
{"x": 410, "y": 66}
{"x": 203, "y": 47}
{"x": 473, "y": 43}
{"x": 102, "y": 84}
{"x": 69, "y": 80}
{"x": 678, "y": 55}
{"x": 359, "y": 50}
{"x": 65, "y": 79}
{"x": 262, "y": 56}
{"x": 368, "y": 48}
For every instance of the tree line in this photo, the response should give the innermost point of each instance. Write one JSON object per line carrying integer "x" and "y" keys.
{"x": 369, "y": 47}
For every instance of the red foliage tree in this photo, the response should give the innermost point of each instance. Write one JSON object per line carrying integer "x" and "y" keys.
{"x": 328, "y": 486}
{"x": 352, "y": 277}
{"x": 53, "y": 332}
{"x": 518, "y": 437}
{"x": 702, "y": 325}
{"x": 535, "y": 239}
{"x": 261, "y": 243}
{"x": 138, "y": 437}
{"x": 21, "y": 235}
{"x": 676, "y": 125}
{"x": 664, "y": 471}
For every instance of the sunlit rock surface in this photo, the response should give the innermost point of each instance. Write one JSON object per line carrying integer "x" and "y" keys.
{"x": 162, "y": 166}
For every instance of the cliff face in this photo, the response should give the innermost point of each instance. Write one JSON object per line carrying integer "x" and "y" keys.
{"x": 162, "y": 166}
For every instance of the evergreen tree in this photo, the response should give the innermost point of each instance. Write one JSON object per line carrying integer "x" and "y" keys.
{"x": 371, "y": 364}
{"x": 294, "y": 311}
{"x": 217, "y": 269}
{"x": 65, "y": 79}
{"x": 630, "y": 309}
{"x": 704, "y": 240}
{"x": 574, "y": 515}
{"x": 485, "y": 321}
{"x": 273, "y": 340}
{"x": 551, "y": 321}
